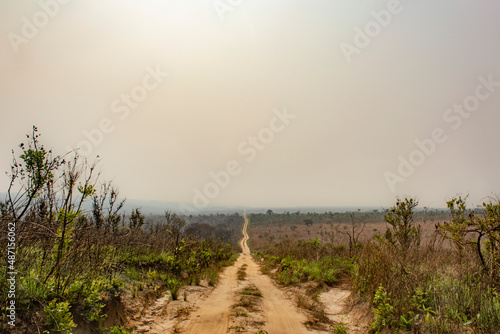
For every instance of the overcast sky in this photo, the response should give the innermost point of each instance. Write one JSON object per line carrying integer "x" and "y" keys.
{"x": 303, "y": 102}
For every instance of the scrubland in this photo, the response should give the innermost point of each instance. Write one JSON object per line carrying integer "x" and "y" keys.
{"x": 74, "y": 261}
{"x": 76, "y": 256}
{"x": 425, "y": 271}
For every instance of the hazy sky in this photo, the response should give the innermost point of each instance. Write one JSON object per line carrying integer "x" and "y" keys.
{"x": 333, "y": 95}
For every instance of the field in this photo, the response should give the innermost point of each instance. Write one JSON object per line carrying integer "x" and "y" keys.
{"x": 331, "y": 227}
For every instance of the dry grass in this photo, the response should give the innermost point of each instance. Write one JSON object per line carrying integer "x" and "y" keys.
{"x": 247, "y": 311}
{"x": 251, "y": 291}
{"x": 241, "y": 274}
{"x": 248, "y": 299}
{"x": 264, "y": 235}
{"x": 240, "y": 312}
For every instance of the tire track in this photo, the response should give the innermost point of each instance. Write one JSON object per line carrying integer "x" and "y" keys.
{"x": 212, "y": 317}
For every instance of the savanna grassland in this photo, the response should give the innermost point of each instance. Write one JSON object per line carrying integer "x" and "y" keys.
{"x": 422, "y": 271}
{"x": 332, "y": 227}
{"x": 75, "y": 262}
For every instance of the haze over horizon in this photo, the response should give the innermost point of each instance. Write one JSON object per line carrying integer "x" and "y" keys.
{"x": 261, "y": 104}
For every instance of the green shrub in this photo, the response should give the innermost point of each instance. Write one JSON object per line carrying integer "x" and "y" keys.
{"x": 118, "y": 330}
{"x": 384, "y": 311}
{"x": 58, "y": 317}
{"x": 327, "y": 270}
{"x": 34, "y": 288}
{"x": 174, "y": 285}
{"x": 404, "y": 231}
{"x": 93, "y": 302}
{"x": 340, "y": 328}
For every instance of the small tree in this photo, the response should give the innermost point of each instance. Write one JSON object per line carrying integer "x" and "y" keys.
{"x": 308, "y": 222}
{"x": 456, "y": 230}
{"x": 354, "y": 231}
{"x": 30, "y": 175}
{"x": 136, "y": 219}
{"x": 107, "y": 217}
{"x": 175, "y": 225}
{"x": 403, "y": 231}
{"x": 487, "y": 229}
{"x": 67, "y": 215}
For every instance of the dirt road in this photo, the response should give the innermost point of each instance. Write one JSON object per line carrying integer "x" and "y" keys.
{"x": 212, "y": 317}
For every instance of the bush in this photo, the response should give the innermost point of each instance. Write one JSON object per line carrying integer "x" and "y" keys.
{"x": 174, "y": 285}
{"x": 384, "y": 312}
{"x": 327, "y": 270}
{"x": 118, "y": 330}
{"x": 58, "y": 317}
{"x": 340, "y": 328}
{"x": 403, "y": 231}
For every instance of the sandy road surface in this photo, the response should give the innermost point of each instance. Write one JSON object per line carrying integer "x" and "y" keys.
{"x": 212, "y": 317}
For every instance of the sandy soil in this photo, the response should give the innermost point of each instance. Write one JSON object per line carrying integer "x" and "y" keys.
{"x": 163, "y": 314}
{"x": 338, "y": 310}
